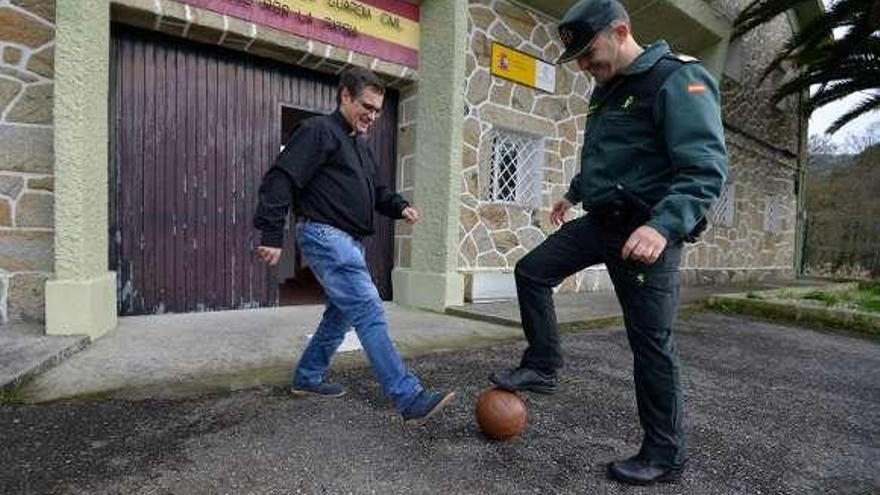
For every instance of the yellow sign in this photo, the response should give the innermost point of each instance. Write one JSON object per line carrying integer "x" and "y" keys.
{"x": 522, "y": 68}
{"x": 367, "y": 19}
{"x": 386, "y": 29}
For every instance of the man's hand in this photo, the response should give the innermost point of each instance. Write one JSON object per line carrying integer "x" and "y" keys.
{"x": 270, "y": 255}
{"x": 557, "y": 215}
{"x": 410, "y": 214}
{"x": 645, "y": 244}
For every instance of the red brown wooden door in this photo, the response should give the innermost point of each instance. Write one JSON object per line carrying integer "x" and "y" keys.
{"x": 193, "y": 129}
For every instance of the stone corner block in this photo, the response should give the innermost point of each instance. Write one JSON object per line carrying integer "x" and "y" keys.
{"x": 81, "y": 306}
{"x": 26, "y": 297}
{"x": 427, "y": 290}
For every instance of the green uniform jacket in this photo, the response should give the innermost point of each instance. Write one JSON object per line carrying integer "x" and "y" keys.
{"x": 669, "y": 152}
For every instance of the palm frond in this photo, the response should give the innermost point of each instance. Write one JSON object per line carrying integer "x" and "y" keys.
{"x": 759, "y": 12}
{"x": 840, "y": 67}
{"x": 832, "y": 92}
{"x": 814, "y": 36}
{"x": 862, "y": 64}
{"x": 869, "y": 104}
{"x": 858, "y": 74}
{"x": 865, "y": 21}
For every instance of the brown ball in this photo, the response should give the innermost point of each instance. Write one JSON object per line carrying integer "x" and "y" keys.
{"x": 501, "y": 414}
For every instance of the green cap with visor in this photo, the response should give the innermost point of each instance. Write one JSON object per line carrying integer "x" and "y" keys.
{"x": 582, "y": 23}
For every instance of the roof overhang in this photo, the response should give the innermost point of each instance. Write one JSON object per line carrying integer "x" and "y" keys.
{"x": 690, "y": 26}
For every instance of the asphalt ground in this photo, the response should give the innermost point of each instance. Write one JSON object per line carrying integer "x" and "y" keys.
{"x": 771, "y": 409}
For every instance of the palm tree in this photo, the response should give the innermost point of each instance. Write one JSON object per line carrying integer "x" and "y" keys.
{"x": 839, "y": 67}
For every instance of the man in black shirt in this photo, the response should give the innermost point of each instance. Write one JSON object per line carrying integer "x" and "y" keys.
{"x": 328, "y": 171}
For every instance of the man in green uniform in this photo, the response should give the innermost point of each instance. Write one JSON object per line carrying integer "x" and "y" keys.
{"x": 653, "y": 161}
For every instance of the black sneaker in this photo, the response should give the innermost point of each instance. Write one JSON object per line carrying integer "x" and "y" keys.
{"x": 639, "y": 471}
{"x": 425, "y": 405}
{"x": 525, "y": 379}
{"x": 319, "y": 390}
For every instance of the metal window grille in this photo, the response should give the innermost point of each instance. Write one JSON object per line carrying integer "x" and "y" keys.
{"x": 724, "y": 211}
{"x": 773, "y": 214}
{"x": 515, "y": 168}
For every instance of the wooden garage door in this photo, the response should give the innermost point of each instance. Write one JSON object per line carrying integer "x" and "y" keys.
{"x": 193, "y": 129}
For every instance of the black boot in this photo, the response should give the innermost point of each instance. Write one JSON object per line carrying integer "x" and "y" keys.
{"x": 638, "y": 471}
{"x": 525, "y": 379}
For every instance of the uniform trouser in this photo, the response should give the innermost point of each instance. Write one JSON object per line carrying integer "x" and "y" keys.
{"x": 648, "y": 295}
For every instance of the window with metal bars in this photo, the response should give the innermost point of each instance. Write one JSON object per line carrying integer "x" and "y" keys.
{"x": 724, "y": 210}
{"x": 773, "y": 213}
{"x": 515, "y": 168}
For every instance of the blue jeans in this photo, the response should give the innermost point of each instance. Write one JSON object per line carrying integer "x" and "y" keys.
{"x": 337, "y": 260}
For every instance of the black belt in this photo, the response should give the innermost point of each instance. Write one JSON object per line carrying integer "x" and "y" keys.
{"x": 616, "y": 215}
{"x": 620, "y": 216}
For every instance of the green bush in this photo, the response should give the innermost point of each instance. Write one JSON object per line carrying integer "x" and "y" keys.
{"x": 869, "y": 299}
{"x": 826, "y": 297}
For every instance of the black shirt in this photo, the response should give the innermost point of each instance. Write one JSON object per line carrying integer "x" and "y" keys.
{"x": 329, "y": 172}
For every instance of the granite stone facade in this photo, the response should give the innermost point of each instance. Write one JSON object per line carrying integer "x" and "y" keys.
{"x": 762, "y": 141}
{"x": 755, "y": 241}
{"x": 27, "y": 44}
{"x": 752, "y": 238}
{"x": 496, "y": 234}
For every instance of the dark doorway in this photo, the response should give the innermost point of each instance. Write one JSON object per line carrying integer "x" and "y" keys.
{"x": 193, "y": 128}
{"x": 298, "y": 284}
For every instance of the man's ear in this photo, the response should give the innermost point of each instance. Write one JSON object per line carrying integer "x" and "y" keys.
{"x": 621, "y": 32}
{"x": 344, "y": 95}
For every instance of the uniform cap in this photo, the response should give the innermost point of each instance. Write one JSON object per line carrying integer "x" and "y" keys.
{"x": 582, "y": 23}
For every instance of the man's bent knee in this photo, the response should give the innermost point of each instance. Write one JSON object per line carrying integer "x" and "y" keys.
{"x": 526, "y": 269}
{"x": 367, "y": 313}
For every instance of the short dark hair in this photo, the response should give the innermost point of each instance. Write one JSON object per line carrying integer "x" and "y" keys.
{"x": 355, "y": 79}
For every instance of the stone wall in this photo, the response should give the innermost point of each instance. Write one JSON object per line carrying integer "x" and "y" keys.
{"x": 762, "y": 139}
{"x": 755, "y": 247}
{"x": 27, "y": 41}
{"x": 495, "y": 235}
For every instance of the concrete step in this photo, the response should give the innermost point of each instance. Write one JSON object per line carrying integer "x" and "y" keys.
{"x": 25, "y": 354}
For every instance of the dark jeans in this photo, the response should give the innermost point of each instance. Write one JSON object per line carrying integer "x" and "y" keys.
{"x": 648, "y": 295}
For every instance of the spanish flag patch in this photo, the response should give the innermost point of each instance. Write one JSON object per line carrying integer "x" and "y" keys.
{"x": 696, "y": 88}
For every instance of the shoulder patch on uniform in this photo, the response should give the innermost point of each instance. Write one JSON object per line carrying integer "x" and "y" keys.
{"x": 696, "y": 87}
{"x": 685, "y": 58}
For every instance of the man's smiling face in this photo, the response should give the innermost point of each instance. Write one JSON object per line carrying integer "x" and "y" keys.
{"x": 361, "y": 111}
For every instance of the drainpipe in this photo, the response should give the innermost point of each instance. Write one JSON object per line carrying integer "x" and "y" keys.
{"x": 800, "y": 188}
